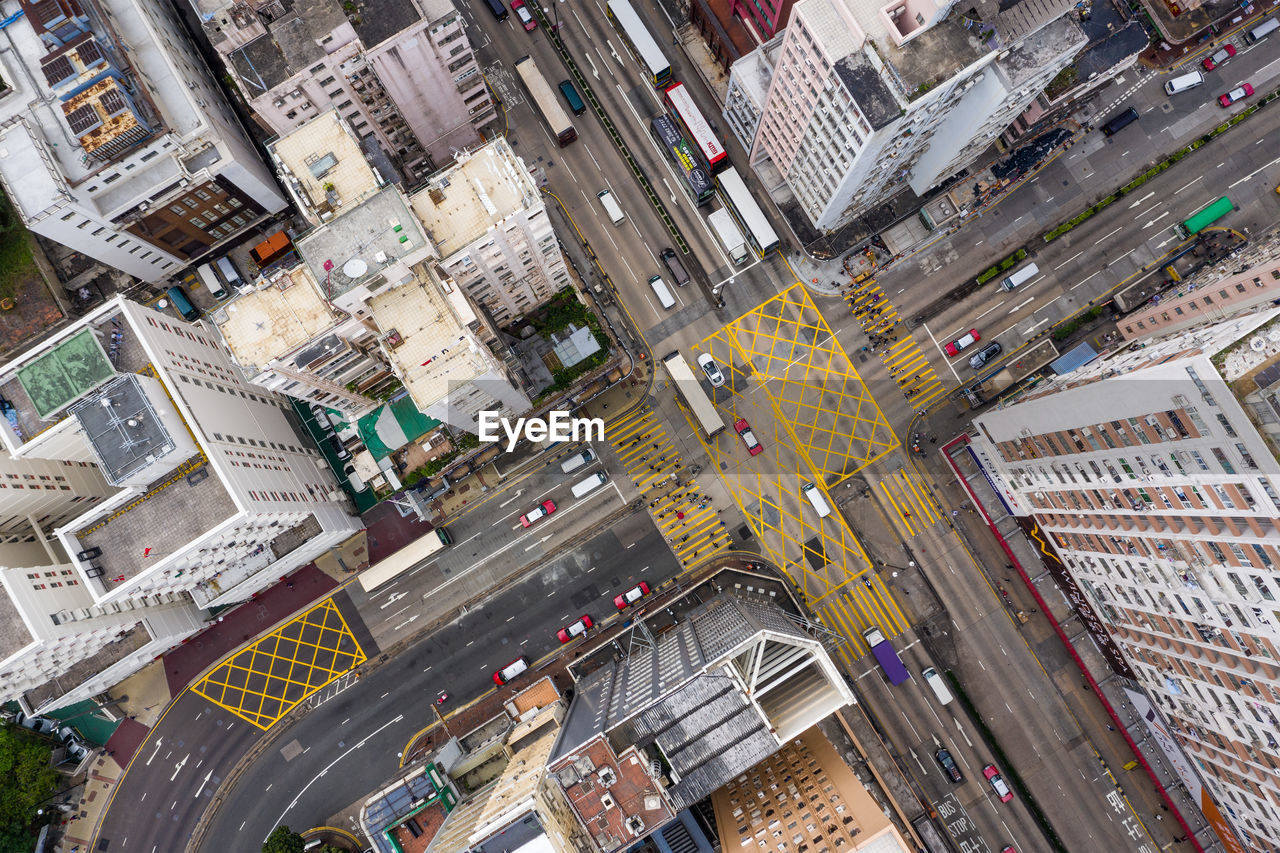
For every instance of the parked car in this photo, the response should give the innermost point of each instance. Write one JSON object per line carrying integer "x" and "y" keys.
{"x": 1239, "y": 93}
{"x": 997, "y": 783}
{"x": 1219, "y": 57}
{"x": 948, "y": 765}
{"x": 963, "y": 342}
{"x": 575, "y": 629}
{"x": 709, "y": 367}
{"x": 543, "y": 509}
{"x": 631, "y": 596}
{"x": 526, "y": 17}
{"x": 511, "y": 670}
{"x": 982, "y": 356}
{"x": 754, "y": 447}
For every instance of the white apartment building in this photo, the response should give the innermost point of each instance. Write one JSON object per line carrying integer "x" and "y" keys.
{"x": 395, "y": 316}
{"x": 400, "y": 72}
{"x": 115, "y": 142}
{"x": 490, "y": 227}
{"x": 867, "y": 98}
{"x": 202, "y": 492}
{"x": 1153, "y": 471}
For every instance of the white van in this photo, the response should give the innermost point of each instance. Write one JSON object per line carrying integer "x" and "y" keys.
{"x": 590, "y": 484}
{"x": 663, "y": 292}
{"x": 1184, "y": 82}
{"x": 1022, "y": 276}
{"x": 576, "y": 461}
{"x": 209, "y": 279}
{"x": 611, "y": 206}
{"x": 810, "y": 491}
{"x": 1261, "y": 31}
{"x": 939, "y": 687}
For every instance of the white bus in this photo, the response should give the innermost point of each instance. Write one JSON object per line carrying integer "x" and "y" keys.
{"x": 637, "y": 37}
{"x": 695, "y": 398}
{"x": 408, "y": 557}
{"x": 742, "y": 204}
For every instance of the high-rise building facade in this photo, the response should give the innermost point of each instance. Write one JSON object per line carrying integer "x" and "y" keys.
{"x": 162, "y": 484}
{"x": 1153, "y": 472}
{"x": 114, "y": 140}
{"x": 861, "y": 105}
{"x": 400, "y": 72}
{"x": 490, "y": 227}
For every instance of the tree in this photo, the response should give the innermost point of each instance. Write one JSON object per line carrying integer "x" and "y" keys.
{"x": 283, "y": 840}
{"x": 29, "y": 781}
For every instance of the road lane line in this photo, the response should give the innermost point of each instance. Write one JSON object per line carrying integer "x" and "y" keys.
{"x": 1069, "y": 260}
{"x": 1175, "y": 192}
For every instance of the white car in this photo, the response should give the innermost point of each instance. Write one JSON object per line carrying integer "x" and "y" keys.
{"x": 709, "y": 367}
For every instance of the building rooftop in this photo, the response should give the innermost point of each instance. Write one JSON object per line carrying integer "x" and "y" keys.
{"x": 14, "y": 634}
{"x": 935, "y": 55}
{"x": 378, "y": 20}
{"x": 810, "y": 778}
{"x": 642, "y": 698}
{"x": 65, "y": 373}
{"x": 1028, "y": 56}
{"x": 271, "y": 321}
{"x": 361, "y": 242}
{"x": 461, "y": 203}
{"x": 868, "y": 89}
{"x": 429, "y": 349}
{"x": 122, "y": 428}
{"x": 324, "y": 166}
{"x": 493, "y": 810}
{"x": 291, "y": 45}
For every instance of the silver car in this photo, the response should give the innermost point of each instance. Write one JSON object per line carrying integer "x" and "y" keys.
{"x": 709, "y": 367}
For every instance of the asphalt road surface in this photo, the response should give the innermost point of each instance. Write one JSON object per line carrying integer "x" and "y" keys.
{"x": 348, "y": 744}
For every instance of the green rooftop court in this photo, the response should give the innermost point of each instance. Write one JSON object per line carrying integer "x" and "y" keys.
{"x": 65, "y": 373}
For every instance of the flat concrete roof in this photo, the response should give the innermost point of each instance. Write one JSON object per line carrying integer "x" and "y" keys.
{"x": 362, "y": 241}
{"x": 460, "y": 204}
{"x": 435, "y": 352}
{"x": 272, "y": 321}
{"x": 380, "y": 20}
{"x": 323, "y": 153}
{"x": 14, "y": 636}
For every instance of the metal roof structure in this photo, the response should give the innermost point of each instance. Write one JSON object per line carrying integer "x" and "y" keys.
{"x": 123, "y": 429}
{"x": 714, "y": 694}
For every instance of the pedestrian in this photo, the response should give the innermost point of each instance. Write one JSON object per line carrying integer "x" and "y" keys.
{"x": 933, "y": 439}
{"x": 1111, "y": 728}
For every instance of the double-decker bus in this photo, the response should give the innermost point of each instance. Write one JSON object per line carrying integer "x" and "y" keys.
{"x": 543, "y": 98}
{"x": 696, "y": 127}
{"x": 640, "y": 42}
{"x": 696, "y": 179}
{"x": 414, "y": 554}
{"x": 1206, "y": 217}
{"x": 740, "y": 202}
{"x": 704, "y": 411}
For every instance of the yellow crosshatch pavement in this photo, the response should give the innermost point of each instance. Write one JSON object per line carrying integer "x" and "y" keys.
{"x": 264, "y": 681}
{"x": 788, "y": 376}
{"x": 690, "y": 523}
{"x": 906, "y": 363}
